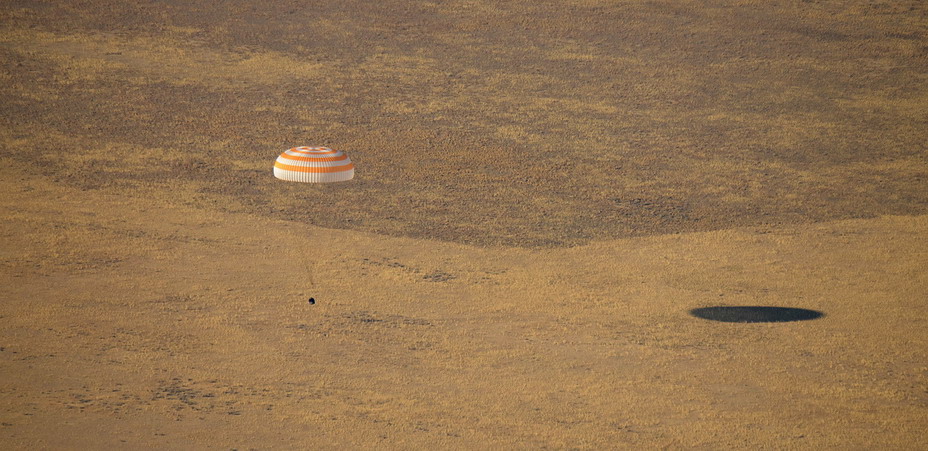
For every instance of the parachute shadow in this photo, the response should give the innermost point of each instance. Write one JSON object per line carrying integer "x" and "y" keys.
{"x": 755, "y": 314}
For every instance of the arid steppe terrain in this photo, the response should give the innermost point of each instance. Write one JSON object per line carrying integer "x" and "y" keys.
{"x": 544, "y": 191}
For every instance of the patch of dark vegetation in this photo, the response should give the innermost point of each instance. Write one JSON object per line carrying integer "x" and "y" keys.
{"x": 701, "y": 124}
{"x": 438, "y": 276}
{"x": 392, "y": 321}
{"x": 180, "y": 395}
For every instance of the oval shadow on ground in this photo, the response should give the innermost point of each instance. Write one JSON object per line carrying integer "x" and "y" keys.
{"x": 755, "y": 314}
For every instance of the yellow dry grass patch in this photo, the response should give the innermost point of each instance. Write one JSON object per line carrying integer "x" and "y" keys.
{"x": 163, "y": 59}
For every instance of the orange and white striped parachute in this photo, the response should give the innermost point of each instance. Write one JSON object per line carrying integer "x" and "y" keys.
{"x": 313, "y": 165}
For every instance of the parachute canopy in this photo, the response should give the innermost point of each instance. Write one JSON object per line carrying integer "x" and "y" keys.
{"x": 313, "y": 165}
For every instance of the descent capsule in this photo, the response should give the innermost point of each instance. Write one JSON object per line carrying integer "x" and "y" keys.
{"x": 313, "y": 165}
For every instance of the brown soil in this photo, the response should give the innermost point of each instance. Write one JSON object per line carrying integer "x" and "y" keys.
{"x": 544, "y": 190}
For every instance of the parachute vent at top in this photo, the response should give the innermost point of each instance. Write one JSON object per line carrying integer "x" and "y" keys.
{"x": 313, "y": 165}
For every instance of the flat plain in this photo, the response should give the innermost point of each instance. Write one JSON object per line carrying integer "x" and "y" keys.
{"x": 544, "y": 191}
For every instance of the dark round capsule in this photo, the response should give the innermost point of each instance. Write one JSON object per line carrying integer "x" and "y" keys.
{"x": 312, "y": 300}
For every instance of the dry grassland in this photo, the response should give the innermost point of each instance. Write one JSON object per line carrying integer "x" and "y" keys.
{"x": 544, "y": 190}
